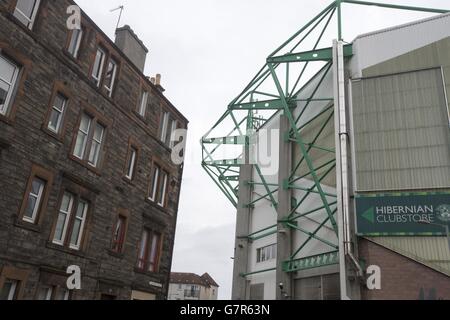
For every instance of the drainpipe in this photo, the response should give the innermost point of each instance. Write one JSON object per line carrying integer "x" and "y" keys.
{"x": 343, "y": 181}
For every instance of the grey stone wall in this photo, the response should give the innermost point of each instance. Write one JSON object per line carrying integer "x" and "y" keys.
{"x": 23, "y": 143}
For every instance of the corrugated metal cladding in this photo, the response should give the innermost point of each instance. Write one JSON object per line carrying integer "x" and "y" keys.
{"x": 433, "y": 55}
{"x": 376, "y": 47}
{"x": 402, "y": 138}
{"x": 432, "y": 130}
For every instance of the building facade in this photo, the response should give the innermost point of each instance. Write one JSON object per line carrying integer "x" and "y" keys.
{"x": 190, "y": 286}
{"x": 354, "y": 202}
{"x": 85, "y": 172}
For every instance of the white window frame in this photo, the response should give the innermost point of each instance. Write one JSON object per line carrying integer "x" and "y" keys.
{"x": 154, "y": 189}
{"x": 110, "y": 89}
{"x": 11, "y": 84}
{"x": 31, "y": 19}
{"x": 266, "y": 253}
{"x": 131, "y": 163}
{"x": 66, "y": 294}
{"x": 49, "y": 292}
{"x": 13, "y": 289}
{"x": 154, "y": 252}
{"x": 172, "y": 130}
{"x": 163, "y": 189}
{"x": 86, "y": 134}
{"x": 61, "y": 112}
{"x": 99, "y": 142}
{"x": 143, "y": 249}
{"x": 82, "y": 220}
{"x": 98, "y": 77}
{"x": 79, "y": 33}
{"x": 67, "y": 220}
{"x": 165, "y": 124}
{"x": 143, "y": 103}
{"x": 38, "y": 200}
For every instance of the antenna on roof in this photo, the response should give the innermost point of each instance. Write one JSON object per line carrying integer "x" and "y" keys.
{"x": 120, "y": 15}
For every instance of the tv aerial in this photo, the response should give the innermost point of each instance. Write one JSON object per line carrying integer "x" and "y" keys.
{"x": 121, "y": 8}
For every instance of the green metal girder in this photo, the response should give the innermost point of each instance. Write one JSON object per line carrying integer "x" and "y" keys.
{"x": 325, "y": 54}
{"x": 235, "y": 140}
{"x": 303, "y": 148}
{"x": 229, "y": 178}
{"x": 273, "y": 104}
{"x": 394, "y": 6}
{"x": 304, "y": 214}
{"x": 220, "y": 170}
{"x": 227, "y": 162}
{"x": 264, "y": 235}
{"x": 244, "y": 275}
{"x": 316, "y": 261}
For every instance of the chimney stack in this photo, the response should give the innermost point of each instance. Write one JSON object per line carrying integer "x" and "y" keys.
{"x": 131, "y": 46}
{"x": 157, "y": 82}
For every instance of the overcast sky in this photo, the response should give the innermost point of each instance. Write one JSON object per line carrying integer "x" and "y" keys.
{"x": 207, "y": 51}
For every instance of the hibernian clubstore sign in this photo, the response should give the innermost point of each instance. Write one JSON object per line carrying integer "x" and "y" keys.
{"x": 403, "y": 214}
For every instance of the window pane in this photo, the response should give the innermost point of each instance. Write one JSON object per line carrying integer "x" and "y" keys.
{"x": 98, "y": 134}
{"x": 7, "y": 70}
{"x": 62, "y": 294}
{"x": 34, "y": 200}
{"x": 168, "y": 131}
{"x": 142, "y": 250}
{"x": 61, "y": 224}
{"x": 119, "y": 234}
{"x": 154, "y": 251}
{"x": 26, "y": 7}
{"x": 75, "y": 232}
{"x": 60, "y": 102}
{"x": 56, "y": 115}
{"x": 80, "y": 145}
{"x": 9, "y": 290}
{"x": 94, "y": 155}
{"x": 54, "y": 121}
{"x": 85, "y": 123}
{"x": 36, "y": 186}
{"x": 110, "y": 76}
{"x": 98, "y": 66}
{"x": 172, "y": 130}
{"x": 154, "y": 184}
{"x": 45, "y": 293}
{"x": 75, "y": 41}
{"x": 66, "y": 202}
{"x": 4, "y": 89}
{"x": 163, "y": 126}
{"x": 162, "y": 189}
{"x": 8, "y": 74}
{"x": 26, "y": 10}
{"x": 131, "y": 163}
{"x": 78, "y": 225}
{"x": 143, "y": 104}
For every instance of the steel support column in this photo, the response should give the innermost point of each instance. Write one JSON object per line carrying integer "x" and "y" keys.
{"x": 284, "y": 238}
{"x": 242, "y": 243}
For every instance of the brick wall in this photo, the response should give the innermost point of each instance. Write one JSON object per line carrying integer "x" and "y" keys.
{"x": 401, "y": 277}
{"x": 23, "y": 143}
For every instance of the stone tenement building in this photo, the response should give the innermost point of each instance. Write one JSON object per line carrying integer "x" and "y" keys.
{"x": 86, "y": 176}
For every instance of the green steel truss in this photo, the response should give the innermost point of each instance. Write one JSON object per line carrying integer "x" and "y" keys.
{"x": 288, "y": 84}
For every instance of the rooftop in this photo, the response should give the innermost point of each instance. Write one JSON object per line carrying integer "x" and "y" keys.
{"x": 191, "y": 278}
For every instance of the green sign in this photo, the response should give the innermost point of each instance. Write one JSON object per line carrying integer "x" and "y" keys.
{"x": 405, "y": 214}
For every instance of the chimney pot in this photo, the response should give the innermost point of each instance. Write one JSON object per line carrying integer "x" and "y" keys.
{"x": 157, "y": 82}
